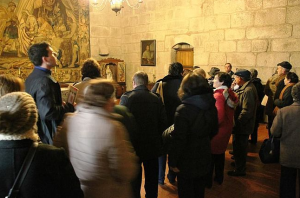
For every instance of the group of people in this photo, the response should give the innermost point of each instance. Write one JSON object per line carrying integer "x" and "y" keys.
{"x": 100, "y": 149}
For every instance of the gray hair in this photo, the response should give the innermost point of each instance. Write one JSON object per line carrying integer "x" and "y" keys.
{"x": 140, "y": 78}
{"x": 296, "y": 92}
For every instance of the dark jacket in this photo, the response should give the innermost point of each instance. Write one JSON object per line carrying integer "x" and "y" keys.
{"x": 150, "y": 116}
{"x": 46, "y": 93}
{"x": 286, "y": 100}
{"x": 170, "y": 85}
{"x": 245, "y": 113}
{"x": 260, "y": 92}
{"x": 196, "y": 121}
{"x": 50, "y": 174}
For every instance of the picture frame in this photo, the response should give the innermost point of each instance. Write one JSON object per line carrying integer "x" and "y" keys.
{"x": 148, "y": 52}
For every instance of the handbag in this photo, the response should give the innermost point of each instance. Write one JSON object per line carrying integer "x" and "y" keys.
{"x": 270, "y": 150}
{"x": 13, "y": 192}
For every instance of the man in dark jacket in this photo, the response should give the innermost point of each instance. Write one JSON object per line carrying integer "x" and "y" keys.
{"x": 46, "y": 91}
{"x": 244, "y": 118}
{"x": 168, "y": 88}
{"x": 151, "y": 120}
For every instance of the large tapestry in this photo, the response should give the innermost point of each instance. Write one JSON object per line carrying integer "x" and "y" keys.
{"x": 62, "y": 23}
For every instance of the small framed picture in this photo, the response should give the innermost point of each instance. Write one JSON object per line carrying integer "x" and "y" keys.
{"x": 72, "y": 94}
{"x": 148, "y": 52}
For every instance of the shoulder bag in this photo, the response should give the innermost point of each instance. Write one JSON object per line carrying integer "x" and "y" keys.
{"x": 270, "y": 150}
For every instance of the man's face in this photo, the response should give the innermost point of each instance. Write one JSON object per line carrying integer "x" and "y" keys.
{"x": 280, "y": 70}
{"x": 237, "y": 80}
{"x": 227, "y": 68}
{"x": 51, "y": 60}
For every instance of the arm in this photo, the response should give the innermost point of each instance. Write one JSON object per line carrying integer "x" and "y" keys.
{"x": 276, "y": 128}
{"x": 248, "y": 106}
{"x": 286, "y": 100}
{"x": 124, "y": 100}
{"x": 220, "y": 105}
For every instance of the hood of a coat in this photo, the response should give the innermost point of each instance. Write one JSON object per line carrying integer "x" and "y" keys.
{"x": 203, "y": 101}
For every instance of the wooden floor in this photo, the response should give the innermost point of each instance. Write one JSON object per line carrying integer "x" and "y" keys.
{"x": 262, "y": 180}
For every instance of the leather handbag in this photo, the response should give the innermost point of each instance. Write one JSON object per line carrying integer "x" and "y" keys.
{"x": 14, "y": 191}
{"x": 270, "y": 150}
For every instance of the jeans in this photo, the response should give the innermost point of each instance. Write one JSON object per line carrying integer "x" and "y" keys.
{"x": 162, "y": 168}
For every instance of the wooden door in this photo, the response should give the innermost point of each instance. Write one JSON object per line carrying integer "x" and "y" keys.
{"x": 185, "y": 57}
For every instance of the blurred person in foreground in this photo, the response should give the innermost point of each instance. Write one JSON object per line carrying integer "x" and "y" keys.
{"x": 195, "y": 123}
{"x": 226, "y": 101}
{"x": 200, "y": 71}
{"x": 286, "y": 127}
{"x": 10, "y": 83}
{"x": 45, "y": 91}
{"x": 90, "y": 70}
{"x": 98, "y": 145}
{"x": 51, "y": 173}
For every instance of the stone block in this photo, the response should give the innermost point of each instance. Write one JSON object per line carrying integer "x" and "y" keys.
{"x": 285, "y": 45}
{"x": 198, "y": 40}
{"x": 234, "y": 34}
{"x": 210, "y": 23}
{"x": 253, "y": 4}
{"x": 159, "y": 35}
{"x": 211, "y": 46}
{"x": 208, "y": 8}
{"x": 116, "y": 32}
{"x": 223, "y": 21}
{"x": 200, "y": 58}
{"x": 295, "y": 60}
{"x": 133, "y": 21}
{"x": 279, "y": 31}
{"x": 242, "y": 19}
{"x": 271, "y": 59}
{"x": 196, "y": 24}
{"x": 229, "y": 6}
{"x": 178, "y": 26}
{"x": 296, "y": 31}
{"x": 100, "y": 31}
{"x": 273, "y": 16}
{"x": 184, "y": 13}
{"x": 160, "y": 46}
{"x": 241, "y": 59}
{"x": 217, "y": 35}
{"x": 293, "y": 14}
{"x": 293, "y": 2}
{"x": 274, "y": 3}
{"x": 244, "y": 46}
{"x": 227, "y": 46}
{"x": 217, "y": 58}
{"x": 141, "y": 28}
{"x": 260, "y": 45}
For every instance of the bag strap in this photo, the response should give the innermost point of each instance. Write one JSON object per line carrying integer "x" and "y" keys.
{"x": 283, "y": 90}
{"x": 13, "y": 192}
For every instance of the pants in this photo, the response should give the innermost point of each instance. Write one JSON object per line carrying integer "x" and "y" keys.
{"x": 240, "y": 144}
{"x": 254, "y": 134}
{"x": 190, "y": 187}
{"x": 288, "y": 182}
{"x": 217, "y": 166}
{"x": 162, "y": 170}
{"x": 270, "y": 122}
{"x": 151, "y": 179}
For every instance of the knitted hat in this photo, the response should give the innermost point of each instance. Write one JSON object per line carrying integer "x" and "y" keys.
{"x": 18, "y": 114}
{"x": 244, "y": 74}
{"x": 213, "y": 71}
{"x": 285, "y": 65}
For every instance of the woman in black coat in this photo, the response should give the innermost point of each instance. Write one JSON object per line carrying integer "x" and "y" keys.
{"x": 51, "y": 173}
{"x": 196, "y": 121}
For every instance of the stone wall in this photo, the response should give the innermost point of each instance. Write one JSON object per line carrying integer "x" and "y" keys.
{"x": 247, "y": 33}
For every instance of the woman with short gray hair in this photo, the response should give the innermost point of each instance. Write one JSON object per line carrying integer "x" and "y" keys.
{"x": 286, "y": 127}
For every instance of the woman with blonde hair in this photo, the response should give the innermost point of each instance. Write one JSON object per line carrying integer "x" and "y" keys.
{"x": 98, "y": 145}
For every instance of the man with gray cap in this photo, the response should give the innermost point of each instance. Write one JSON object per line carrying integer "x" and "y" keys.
{"x": 244, "y": 118}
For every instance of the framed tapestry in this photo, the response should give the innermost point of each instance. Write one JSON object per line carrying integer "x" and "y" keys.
{"x": 148, "y": 52}
{"x": 62, "y": 23}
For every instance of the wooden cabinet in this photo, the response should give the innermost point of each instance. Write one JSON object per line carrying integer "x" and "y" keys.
{"x": 114, "y": 69}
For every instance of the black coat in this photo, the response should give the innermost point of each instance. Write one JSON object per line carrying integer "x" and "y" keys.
{"x": 196, "y": 121}
{"x": 50, "y": 174}
{"x": 46, "y": 93}
{"x": 170, "y": 86}
{"x": 150, "y": 116}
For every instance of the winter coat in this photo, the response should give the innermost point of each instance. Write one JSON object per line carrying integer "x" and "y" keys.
{"x": 81, "y": 86}
{"x": 50, "y": 174}
{"x": 225, "y": 119}
{"x": 287, "y": 98}
{"x": 286, "y": 126}
{"x": 170, "y": 86}
{"x": 245, "y": 113}
{"x": 46, "y": 93}
{"x": 149, "y": 113}
{"x": 196, "y": 120}
{"x": 99, "y": 151}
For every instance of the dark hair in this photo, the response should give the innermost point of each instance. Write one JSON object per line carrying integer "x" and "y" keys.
{"x": 140, "y": 78}
{"x": 37, "y": 51}
{"x": 193, "y": 84}
{"x": 254, "y": 73}
{"x": 90, "y": 69}
{"x": 229, "y": 65}
{"x": 293, "y": 77}
{"x": 9, "y": 84}
{"x": 224, "y": 78}
{"x": 175, "y": 69}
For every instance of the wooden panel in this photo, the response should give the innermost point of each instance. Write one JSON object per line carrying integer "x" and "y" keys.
{"x": 185, "y": 57}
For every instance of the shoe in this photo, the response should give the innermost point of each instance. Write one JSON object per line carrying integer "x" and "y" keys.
{"x": 232, "y": 157}
{"x": 231, "y": 152}
{"x": 235, "y": 173}
{"x": 232, "y": 164}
